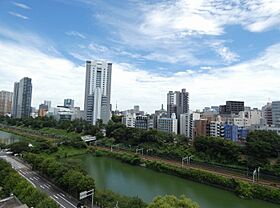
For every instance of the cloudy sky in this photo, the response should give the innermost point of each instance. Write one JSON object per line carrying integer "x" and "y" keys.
{"x": 217, "y": 49}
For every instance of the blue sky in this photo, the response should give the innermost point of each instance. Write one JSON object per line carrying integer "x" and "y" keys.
{"x": 217, "y": 49}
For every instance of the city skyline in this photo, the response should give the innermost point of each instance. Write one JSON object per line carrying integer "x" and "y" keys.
{"x": 230, "y": 54}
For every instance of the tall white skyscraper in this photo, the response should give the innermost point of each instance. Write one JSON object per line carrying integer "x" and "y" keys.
{"x": 98, "y": 91}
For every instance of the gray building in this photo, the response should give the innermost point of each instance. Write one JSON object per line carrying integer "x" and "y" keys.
{"x": 69, "y": 103}
{"x": 178, "y": 103}
{"x": 98, "y": 91}
{"x": 22, "y": 98}
{"x": 276, "y": 113}
{"x": 142, "y": 122}
{"x": 232, "y": 107}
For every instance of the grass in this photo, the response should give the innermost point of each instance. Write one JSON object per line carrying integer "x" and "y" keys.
{"x": 64, "y": 151}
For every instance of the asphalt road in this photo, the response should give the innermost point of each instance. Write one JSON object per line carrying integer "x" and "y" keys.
{"x": 41, "y": 183}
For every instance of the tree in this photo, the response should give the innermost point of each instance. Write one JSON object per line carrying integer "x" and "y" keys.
{"x": 170, "y": 201}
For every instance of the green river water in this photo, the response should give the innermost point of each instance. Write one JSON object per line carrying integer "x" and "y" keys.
{"x": 146, "y": 184}
{"x": 8, "y": 138}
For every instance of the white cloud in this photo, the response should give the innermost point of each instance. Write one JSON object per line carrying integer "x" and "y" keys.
{"x": 52, "y": 77}
{"x": 208, "y": 17}
{"x": 253, "y": 81}
{"x": 19, "y": 15}
{"x": 20, "y": 5}
{"x": 56, "y": 78}
{"x": 224, "y": 52}
{"x": 75, "y": 34}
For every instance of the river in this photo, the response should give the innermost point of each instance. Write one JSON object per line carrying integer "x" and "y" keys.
{"x": 8, "y": 138}
{"x": 146, "y": 184}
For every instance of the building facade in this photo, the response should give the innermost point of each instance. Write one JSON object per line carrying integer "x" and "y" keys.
{"x": 69, "y": 103}
{"x": 232, "y": 107}
{"x": 276, "y": 113}
{"x": 129, "y": 120}
{"x": 267, "y": 114}
{"x": 231, "y": 132}
{"x": 22, "y": 98}
{"x": 43, "y": 109}
{"x": 168, "y": 124}
{"x": 6, "y": 99}
{"x": 98, "y": 91}
{"x": 142, "y": 122}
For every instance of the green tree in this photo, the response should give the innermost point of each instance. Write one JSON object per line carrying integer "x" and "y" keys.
{"x": 169, "y": 201}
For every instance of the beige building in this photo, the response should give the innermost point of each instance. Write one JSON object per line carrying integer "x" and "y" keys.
{"x": 6, "y": 99}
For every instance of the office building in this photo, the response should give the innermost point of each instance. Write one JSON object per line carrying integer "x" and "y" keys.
{"x": 185, "y": 125}
{"x": 6, "y": 99}
{"x": 201, "y": 128}
{"x": 69, "y": 103}
{"x": 276, "y": 113}
{"x": 48, "y": 103}
{"x": 22, "y": 98}
{"x": 168, "y": 124}
{"x": 142, "y": 122}
{"x": 98, "y": 91}
{"x": 129, "y": 120}
{"x": 231, "y": 132}
{"x": 232, "y": 107}
{"x": 267, "y": 114}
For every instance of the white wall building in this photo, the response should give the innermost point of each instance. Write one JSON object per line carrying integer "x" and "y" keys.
{"x": 129, "y": 120}
{"x": 98, "y": 91}
{"x": 168, "y": 124}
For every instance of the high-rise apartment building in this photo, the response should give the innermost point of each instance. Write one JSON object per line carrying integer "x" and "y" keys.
{"x": 98, "y": 91}
{"x": 6, "y": 99}
{"x": 276, "y": 113}
{"x": 178, "y": 103}
{"x": 69, "y": 103}
{"x": 22, "y": 98}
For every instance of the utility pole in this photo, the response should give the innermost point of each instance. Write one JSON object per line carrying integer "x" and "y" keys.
{"x": 254, "y": 175}
{"x": 259, "y": 168}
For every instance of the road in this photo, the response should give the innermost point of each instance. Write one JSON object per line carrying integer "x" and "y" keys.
{"x": 60, "y": 197}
